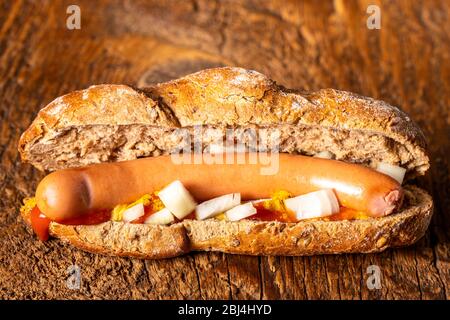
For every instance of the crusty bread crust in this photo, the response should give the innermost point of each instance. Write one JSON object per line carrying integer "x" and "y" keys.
{"x": 123, "y": 239}
{"x": 126, "y": 239}
{"x": 308, "y": 237}
{"x": 312, "y": 237}
{"x": 219, "y": 97}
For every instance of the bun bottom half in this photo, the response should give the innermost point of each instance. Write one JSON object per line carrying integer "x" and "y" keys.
{"x": 250, "y": 237}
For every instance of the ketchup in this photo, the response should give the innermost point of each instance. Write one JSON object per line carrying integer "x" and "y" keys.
{"x": 264, "y": 214}
{"x": 40, "y": 224}
{"x": 190, "y": 216}
{"x": 148, "y": 210}
{"x": 89, "y": 218}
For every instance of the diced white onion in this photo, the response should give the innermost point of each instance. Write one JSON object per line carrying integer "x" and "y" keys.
{"x": 316, "y": 204}
{"x": 396, "y": 172}
{"x": 324, "y": 155}
{"x": 217, "y": 205}
{"x": 163, "y": 216}
{"x": 177, "y": 199}
{"x": 292, "y": 203}
{"x": 240, "y": 212}
{"x": 133, "y": 213}
{"x": 260, "y": 200}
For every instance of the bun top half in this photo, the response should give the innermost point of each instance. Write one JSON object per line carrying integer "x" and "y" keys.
{"x": 117, "y": 122}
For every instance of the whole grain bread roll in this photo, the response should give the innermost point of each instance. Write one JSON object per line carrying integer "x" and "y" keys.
{"x": 117, "y": 122}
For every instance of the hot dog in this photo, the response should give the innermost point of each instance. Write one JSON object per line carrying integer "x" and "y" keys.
{"x": 71, "y": 193}
{"x": 155, "y": 207}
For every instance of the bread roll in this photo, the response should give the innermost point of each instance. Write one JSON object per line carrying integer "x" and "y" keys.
{"x": 116, "y": 122}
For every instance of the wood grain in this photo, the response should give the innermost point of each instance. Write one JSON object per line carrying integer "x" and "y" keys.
{"x": 301, "y": 44}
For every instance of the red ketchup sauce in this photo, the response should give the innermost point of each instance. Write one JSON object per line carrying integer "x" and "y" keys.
{"x": 90, "y": 218}
{"x": 148, "y": 211}
{"x": 264, "y": 214}
{"x": 40, "y": 223}
{"x": 190, "y": 216}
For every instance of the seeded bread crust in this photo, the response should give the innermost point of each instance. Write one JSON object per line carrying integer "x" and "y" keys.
{"x": 250, "y": 237}
{"x": 311, "y": 237}
{"x": 219, "y": 98}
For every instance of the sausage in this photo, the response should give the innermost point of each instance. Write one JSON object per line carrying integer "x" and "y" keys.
{"x": 71, "y": 193}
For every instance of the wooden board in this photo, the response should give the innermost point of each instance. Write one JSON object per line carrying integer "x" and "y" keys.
{"x": 309, "y": 45}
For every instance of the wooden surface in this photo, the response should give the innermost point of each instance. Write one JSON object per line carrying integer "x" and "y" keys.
{"x": 309, "y": 45}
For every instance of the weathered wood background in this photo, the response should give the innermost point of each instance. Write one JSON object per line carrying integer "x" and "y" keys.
{"x": 301, "y": 44}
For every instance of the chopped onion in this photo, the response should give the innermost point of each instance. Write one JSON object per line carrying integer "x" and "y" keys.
{"x": 161, "y": 217}
{"x": 241, "y": 212}
{"x": 396, "y": 172}
{"x": 292, "y": 203}
{"x": 316, "y": 204}
{"x": 324, "y": 155}
{"x": 260, "y": 200}
{"x": 217, "y": 205}
{"x": 177, "y": 199}
{"x": 133, "y": 213}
